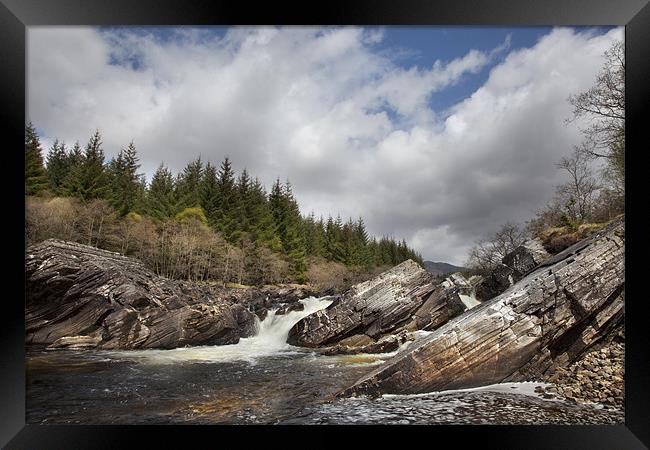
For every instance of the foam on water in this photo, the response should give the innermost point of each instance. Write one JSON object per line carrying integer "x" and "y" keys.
{"x": 270, "y": 339}
{"x": 523, "y": 388}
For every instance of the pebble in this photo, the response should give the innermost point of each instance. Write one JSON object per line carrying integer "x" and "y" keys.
{"x": 597, "y": 378}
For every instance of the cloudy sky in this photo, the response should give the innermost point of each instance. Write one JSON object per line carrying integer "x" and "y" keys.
{"x": 437, "y": 135}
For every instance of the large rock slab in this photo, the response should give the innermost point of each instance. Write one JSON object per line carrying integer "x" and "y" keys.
{"x": 81, "y": 296}
{"x": 547, "y": 318}
{"x": 374, "y": 307}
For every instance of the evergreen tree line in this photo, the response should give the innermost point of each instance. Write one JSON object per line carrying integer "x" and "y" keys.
{"x": 247, "y": 228}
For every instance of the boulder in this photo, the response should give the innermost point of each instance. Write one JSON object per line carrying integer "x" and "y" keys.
{"x": 514, "y": 266}
{"x": 83, "y": 296}
{"x": 261, "y": 313}
{"x": 374, "y": 307}
{"x": 386, "y": 344}
{"x": 526, "y": 257}
{"x": 442, "y": 304}
{"x": 270, "y": 296}
{"x": 494, "y": 283}
{"x": 546, "y": 319}
{"x": 298, "y": 306}
{"x": 358, "y": 340}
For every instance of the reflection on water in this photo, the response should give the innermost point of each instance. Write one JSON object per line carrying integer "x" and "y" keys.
{"x": 83, "y": 387}
{"x": 260, "y": 380}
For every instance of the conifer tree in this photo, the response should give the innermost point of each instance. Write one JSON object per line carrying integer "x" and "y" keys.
{"x": 75, "y": 157}
{"x": 160, "y": 197}
{"x": 314, "y": 235}
{"x": 262, "y": 224}
{"x": 320, "y": 237}
{"x": 348, "y": 243}
{"x": 126, "y": 183}
{"x": 88, "y": 179}
{"x": 362, "y": 256}
{"x": 286, "y": 215}
{"x": 35, "y": 176}
{"x": 74, "y": 160}
{"x": 57, "y": 166}
{"x": 334, "y": 250}
{"x": 374, "y": 257}
{"x": 188, "y": 185}
{"x": 275, "y": 202}
{"x": 226, "y": 213}
{"x": 209, "y": 194}
{"x": 243, "y": 208}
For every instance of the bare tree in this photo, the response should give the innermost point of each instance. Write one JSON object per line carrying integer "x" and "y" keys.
{"x": 577, "y": 195}
{"x": 51, "y": 218}
{"x": 488, "y": 253}
{"x": 97, "y": 222}
{"x": 604, "y": 105}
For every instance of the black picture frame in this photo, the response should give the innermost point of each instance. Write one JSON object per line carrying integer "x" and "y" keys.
{"x": 16, "y": 15}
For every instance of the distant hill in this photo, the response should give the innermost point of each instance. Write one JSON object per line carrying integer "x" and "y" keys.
{"x": 441, "y": 268}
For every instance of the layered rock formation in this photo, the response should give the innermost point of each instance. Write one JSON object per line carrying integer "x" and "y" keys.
{"x": 547, "y": 319}
{"x": 404, "y": 298}
{"x": 373, "y": 308}
{"x": 80, "y": 296}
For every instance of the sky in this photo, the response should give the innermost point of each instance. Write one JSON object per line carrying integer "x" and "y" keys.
{"x": 437, "y": 135}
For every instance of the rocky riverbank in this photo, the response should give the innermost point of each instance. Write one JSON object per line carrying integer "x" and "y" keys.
{"x": 544, "y": 322}
{"x": 597, "y": 377}
{"x": 555, "y": 311}
{"x": 83, "y": 297}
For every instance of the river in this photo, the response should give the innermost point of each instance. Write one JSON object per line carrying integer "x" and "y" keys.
{"x": 262, "y": 380}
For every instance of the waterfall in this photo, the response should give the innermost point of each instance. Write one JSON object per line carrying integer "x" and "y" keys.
{"x": 273, "y": 331}
{"x": 270, "y": 339}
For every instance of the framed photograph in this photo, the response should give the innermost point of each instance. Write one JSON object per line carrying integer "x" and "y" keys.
{"x": 356, "y": 213}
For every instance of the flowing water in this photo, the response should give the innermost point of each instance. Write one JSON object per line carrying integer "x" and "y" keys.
{"x": 262, "y": 379}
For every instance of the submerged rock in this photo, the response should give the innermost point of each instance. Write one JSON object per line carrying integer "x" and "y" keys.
{"x": 290, "y": 307}
{"x": 83, "y": 296}
{"x": 358, "y": 340}
{"x": 386, "y": 344}
{"x": 77, "y": 341}
{"x": 546, "y": 319}
{"x": 261, "y": 313}
{"x": 374, "y": 307}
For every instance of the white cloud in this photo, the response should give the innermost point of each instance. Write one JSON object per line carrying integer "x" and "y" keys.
{"x": 352, "y": 129}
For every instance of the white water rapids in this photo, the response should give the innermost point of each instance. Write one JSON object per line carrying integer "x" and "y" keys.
{"x": 270, "y": 339}
{"x": 262, "y": 380}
